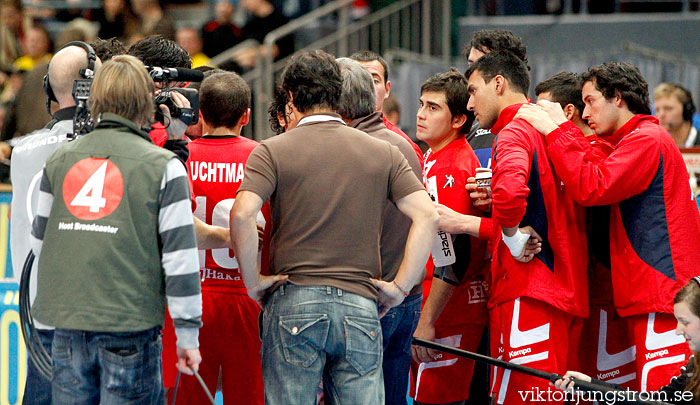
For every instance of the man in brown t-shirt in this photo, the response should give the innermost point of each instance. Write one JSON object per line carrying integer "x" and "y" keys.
{"x": 328, "y": 185}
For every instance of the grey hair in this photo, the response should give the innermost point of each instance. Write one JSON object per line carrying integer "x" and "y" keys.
{"x": 358, "y": 98}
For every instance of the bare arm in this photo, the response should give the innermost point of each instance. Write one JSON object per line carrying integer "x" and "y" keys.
{"x": 211, "y": 237}
{"x": 419, "y": 208}
{"x": 244, "y": 238}
{"x": 440, "y": 294}
{"x": 455, "y": 223}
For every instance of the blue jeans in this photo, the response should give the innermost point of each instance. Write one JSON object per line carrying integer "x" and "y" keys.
{"x": 107, "y": 368}
{"x": 398, "y": 326}
{"x": 310, "y": 333}
{"x": 37, "y": 390}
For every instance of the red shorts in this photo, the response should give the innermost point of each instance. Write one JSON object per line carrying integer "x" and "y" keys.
{"x": 449, "y": 377}
{"x": 534, "y": 334}
{"x": 607, "y": 351}
{"x": 228, "y": 341}
{"x": 660, "y": 352}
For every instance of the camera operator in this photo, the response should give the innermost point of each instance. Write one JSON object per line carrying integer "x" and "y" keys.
{"x": 28, "y": 159}
{"x": 156, "y": 50}
{"x": 120, "y": 206}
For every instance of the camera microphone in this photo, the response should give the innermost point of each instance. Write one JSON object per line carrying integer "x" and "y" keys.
{"x": 178, "y": 74}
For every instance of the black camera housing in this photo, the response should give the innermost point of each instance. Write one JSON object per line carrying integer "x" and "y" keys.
{"x": 189, "y": 116}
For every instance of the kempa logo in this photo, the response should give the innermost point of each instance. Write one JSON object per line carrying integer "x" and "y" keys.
{"x": 517, "y": 353}
{"x": 605, "y": 376}
{"x": 660, "y": 353}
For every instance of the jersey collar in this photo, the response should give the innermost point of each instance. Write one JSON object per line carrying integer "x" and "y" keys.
{"x": 505, "y": 118}
{"x": 629, "y": 126}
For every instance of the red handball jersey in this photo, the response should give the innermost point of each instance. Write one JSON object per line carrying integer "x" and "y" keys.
{"x": 654, "y": 221}
{"x": 158, "y": 134}
{"x": 216, "y": 166}
{"x": 447, "y": 171}
{"x": 398, "y": 130}
{"x": 527, "y": 192}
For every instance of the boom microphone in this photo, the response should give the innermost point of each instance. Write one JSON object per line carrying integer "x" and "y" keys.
{"x": 179, "y": 74}
{"x": 627, "y": 397}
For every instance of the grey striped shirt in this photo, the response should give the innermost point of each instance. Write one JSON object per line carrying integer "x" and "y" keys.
{"x": 179, "y": 257}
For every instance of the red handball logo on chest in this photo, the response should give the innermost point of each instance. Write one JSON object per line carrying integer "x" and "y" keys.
{"x": 93, "y": 188}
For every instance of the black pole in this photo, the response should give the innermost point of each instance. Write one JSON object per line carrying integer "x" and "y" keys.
{"x": 622, "y": 396}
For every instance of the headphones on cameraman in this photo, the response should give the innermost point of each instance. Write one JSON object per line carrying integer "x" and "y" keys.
{"x": 688, "y": 105}
{"x": 91, "y": 57}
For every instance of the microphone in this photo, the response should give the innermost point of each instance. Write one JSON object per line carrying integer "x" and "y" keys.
{"x": 179, "y": 74}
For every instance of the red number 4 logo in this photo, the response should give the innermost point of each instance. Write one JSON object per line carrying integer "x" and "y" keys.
{"x": 93, "y": 188}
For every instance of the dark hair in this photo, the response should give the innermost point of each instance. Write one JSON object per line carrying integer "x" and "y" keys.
{"x": 223, "y": 99}
{"x": 105, "y": 49}
{"x": 506, "y": 64}
{"x": 621, "y": 78}
{"x": 156, "y": 50}
{"x": 454, "y": 85}
{"x": 565, "y": 88}
{"x": 391, "y": 104}
{"x": 371, "y": 56}
{"x": 488, "y": 41}
{"x": 313, "y": 79}
{"x": 690, "y": 294}
{"x": 278, "y": 108}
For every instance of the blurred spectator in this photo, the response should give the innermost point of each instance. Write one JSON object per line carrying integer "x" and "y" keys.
{"x": 293, "y": 8}
{"x": 189, "y": 40}
{"x": 360, "y": 8}
{"x": 105, "y": 49}
{"x": 152, "y": 19}
{"x": 69, "y": 14}
{"x": 392, "y": 110}
{"x": 221, "y": 33}
{"x": 70, "y": 34}
{"x": 88, "y": 28}
{"x": 674, "y": 107}
{"x": 28, "y": 112}
{"x": 11, "y": 32}
{"x": 25, "y": 111}
{"x": 116, "y": 19}
{"x": 264, "y": 18}
{"x": 12, "y": 85}
{"x": 8, "y": 94}
{"x": 3, "y": 114}
{"x": 37, "y": 49}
